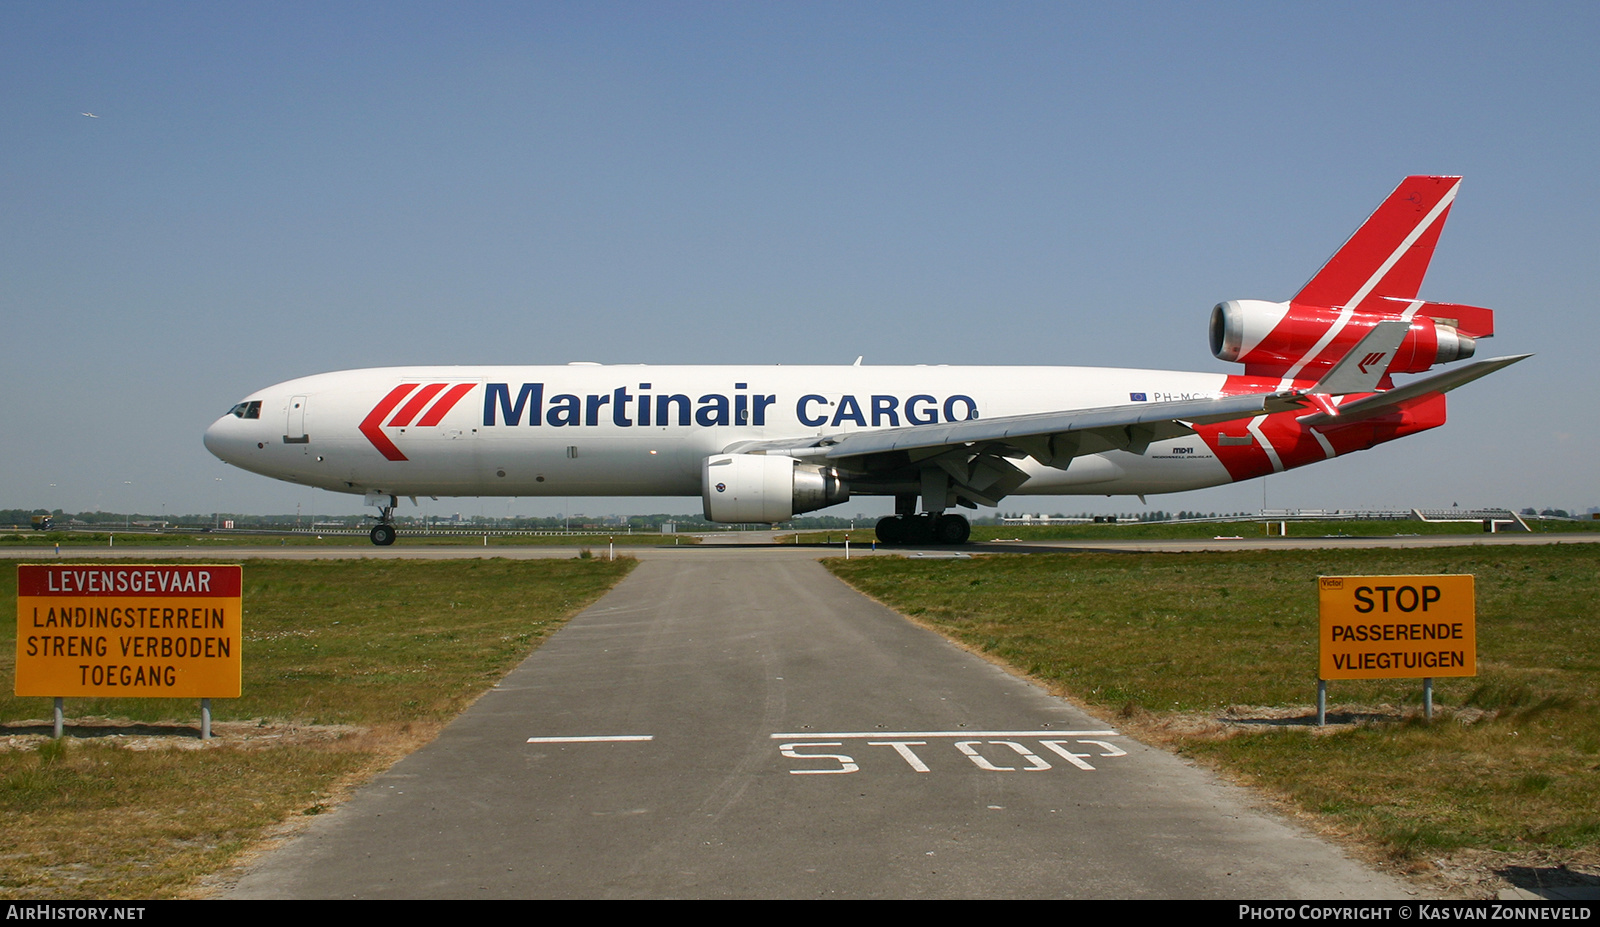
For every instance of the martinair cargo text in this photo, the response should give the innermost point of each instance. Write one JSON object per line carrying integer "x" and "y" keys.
{"x": 761, "y": 444}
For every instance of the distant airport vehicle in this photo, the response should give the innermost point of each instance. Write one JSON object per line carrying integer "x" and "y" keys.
{"x": 43, "y": 522}
{"x": 761, "y": 444}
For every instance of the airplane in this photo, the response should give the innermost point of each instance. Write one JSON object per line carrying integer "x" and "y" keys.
{"x": 760, "y": 444}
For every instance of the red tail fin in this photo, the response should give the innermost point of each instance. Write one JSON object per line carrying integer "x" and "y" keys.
{"x": 1389, "y": 254}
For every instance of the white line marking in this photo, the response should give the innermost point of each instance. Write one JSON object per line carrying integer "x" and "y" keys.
{"x": 847, "y": 764}
{"x": 1272, "y": 453}
{"x": 903, "y": 747}
{"x": 1111, "y": 749}
{"x": 1416, "y": 232}
{"x": 1077, "y": 759}
{"x": 592, "y": 739}
{"x": 1338, "y": 326}
{"x": 966, "y": 746}
{"x": 881, "y": 735}
{"x": 1327, "y": 446}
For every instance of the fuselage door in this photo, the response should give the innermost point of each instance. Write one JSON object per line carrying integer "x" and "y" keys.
{"x": 294, "y": 430}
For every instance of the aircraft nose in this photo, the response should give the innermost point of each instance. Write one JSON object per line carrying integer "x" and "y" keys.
{"x": 213, "y": 439}
{"x": 223, "y": 440}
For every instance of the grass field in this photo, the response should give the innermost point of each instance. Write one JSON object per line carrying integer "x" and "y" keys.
{"x": 1215, "y": 654}
{"x": 1255, "y": 529}
{"x": 347, "y": 664}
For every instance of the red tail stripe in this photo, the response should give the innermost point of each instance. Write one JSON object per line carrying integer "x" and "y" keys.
{"x": 445, "y": 404}
{"x": 409, "y": 410}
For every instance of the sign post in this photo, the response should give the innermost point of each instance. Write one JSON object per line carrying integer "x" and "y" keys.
{"x": 1395, "y": 627}
{"x": 129, "y": 631}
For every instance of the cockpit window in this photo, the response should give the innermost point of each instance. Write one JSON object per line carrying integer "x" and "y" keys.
{"x": 250, "y": 409}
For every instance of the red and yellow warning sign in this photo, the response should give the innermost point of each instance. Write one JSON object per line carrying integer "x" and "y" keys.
{"x": 126, "y": 630}
{"x": 1386, "y": 627}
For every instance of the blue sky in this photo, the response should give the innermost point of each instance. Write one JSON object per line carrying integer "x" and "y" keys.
{"x": 272, "y": 190}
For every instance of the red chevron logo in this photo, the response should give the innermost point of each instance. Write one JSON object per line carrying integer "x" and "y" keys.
{"x": 372, "y": 426}
{"x": 1372, "y": 360}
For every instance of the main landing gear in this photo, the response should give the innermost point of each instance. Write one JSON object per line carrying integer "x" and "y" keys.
{"x": 924, "y": 529}
{"x": 383, "y": 533}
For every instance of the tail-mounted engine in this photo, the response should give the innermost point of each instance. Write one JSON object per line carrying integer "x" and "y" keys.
{"x": 1274, "y": 339}
{"x": 1374, "y": 277}
{"x": 766, "y": 488}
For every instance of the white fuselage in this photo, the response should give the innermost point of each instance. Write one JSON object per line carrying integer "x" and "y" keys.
{"x": 593, "y": 430}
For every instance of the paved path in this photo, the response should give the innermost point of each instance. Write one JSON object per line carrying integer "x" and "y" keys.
{"x": 804, "y": 742}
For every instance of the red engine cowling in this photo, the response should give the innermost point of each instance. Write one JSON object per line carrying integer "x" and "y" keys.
{"x": 1302, "y": 341}
{"x": 1373, "y": 277}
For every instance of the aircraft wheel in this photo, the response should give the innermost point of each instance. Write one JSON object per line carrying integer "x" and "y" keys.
{"x": 383, "y": 535}
{"x": 951, "y": 529}
{"x": 889, "y": 530}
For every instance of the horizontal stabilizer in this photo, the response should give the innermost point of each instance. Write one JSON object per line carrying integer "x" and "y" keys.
{"x": 1386, "y": 402}
{"x": 1472, "y": 321}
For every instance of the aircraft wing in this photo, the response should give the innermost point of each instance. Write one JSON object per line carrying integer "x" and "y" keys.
{"x": 1051, "y": 437}
{"x": 1054, "y": 438}
{"x": 969, "y": 460}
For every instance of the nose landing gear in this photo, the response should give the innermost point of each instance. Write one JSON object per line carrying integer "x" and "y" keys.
{"x": 383, "y": 533}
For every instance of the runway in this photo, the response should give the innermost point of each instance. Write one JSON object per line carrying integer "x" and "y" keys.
{"x": 760, "y": 545}
{"x": 734, "y": 722}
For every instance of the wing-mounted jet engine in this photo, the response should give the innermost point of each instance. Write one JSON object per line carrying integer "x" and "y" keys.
{"x": 766, "y": 488}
